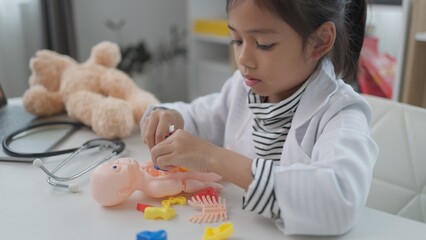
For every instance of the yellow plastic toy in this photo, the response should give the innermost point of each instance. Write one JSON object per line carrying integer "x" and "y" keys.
{"x": 223, "y": 231}
{"x": 165, "y": 213}
{"x": 174, "y": 200}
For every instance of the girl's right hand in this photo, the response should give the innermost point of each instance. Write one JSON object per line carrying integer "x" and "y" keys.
{"x": 156, "y": 126}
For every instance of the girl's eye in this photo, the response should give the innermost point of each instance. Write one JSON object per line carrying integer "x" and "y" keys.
{"x": 236, "y": 42}
{"x": 265, "y": 47}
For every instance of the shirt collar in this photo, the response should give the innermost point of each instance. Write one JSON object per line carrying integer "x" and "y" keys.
{"x": 285, "y": 108}
{"x": 320, "y": 86}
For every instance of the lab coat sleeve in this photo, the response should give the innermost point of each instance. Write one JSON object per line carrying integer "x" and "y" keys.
{"x": 205, "y": 116}
{"x": 326, "y": 197}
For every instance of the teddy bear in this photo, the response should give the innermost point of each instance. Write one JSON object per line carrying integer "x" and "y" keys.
{"x": 94, "y": 92}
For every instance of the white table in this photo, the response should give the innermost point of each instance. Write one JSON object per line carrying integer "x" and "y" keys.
{"x": 32, "y": 209}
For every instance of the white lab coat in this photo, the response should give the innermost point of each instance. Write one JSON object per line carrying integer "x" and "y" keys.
{"x": 326, "y": 167}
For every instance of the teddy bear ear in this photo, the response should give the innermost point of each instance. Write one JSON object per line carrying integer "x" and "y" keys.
{"x": 106, "y": 53}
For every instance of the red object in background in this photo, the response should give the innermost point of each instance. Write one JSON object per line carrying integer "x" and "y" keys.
{"x": 207, "y": 192}
{"x": 376, "y": 70}
{"x": 370, "y": 46}
{"x": 368, "y": 86}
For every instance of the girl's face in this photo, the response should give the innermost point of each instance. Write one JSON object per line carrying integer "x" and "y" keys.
{"x": 268, "y": 52}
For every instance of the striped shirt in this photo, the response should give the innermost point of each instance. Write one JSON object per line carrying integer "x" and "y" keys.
{"x": 272, "y": 121}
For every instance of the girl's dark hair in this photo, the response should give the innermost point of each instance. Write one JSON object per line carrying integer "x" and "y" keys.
{"x": 305, "y": 16}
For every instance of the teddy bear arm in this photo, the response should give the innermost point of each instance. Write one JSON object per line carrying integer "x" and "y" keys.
{"x": 47, "y": 68}
{"x": 42, "y": 102}
{"x": 109, "y": 117}
{"x": 140, "y": 100}
{"x": 119, "y": 85}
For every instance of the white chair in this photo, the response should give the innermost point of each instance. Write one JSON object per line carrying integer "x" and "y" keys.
{"x": 399, "y": 178}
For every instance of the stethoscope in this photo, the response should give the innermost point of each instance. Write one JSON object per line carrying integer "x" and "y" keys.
{"x": 116, "y": 146}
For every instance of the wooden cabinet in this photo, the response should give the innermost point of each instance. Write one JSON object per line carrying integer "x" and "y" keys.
{"x": 414, "y": 77}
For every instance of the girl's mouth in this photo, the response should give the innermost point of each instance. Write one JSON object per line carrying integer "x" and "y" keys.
{"x": 251, "y": 81}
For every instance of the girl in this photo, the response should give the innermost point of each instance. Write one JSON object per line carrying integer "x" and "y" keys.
{"x": 284, "y": 127}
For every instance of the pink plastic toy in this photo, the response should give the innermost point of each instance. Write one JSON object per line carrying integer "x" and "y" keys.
{"x": 113, "y": 182}
{"x": 213, "y": 210}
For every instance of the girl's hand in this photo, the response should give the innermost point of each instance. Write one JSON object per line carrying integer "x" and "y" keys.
{"x": 156, "y": 126}
{"x": 185, "y": 150}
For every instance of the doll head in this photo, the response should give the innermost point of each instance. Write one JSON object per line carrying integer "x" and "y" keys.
{"x": 113, "y": 182}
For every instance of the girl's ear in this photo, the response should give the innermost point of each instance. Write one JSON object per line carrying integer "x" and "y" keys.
{"x": 323, "y": 40}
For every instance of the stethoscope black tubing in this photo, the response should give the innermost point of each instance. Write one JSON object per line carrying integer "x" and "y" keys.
{"x": 6, "y": 142}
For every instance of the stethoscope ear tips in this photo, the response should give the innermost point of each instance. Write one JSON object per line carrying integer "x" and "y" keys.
{"x": 37, "y": 163}
{"x": 73, "y": 188}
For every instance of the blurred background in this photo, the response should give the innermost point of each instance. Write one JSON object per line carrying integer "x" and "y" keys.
{"x": 161, "y": 50}
{"x": 154, "y": 29}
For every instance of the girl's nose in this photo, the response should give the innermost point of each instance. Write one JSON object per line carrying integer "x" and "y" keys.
{"x": 245, "y": 57}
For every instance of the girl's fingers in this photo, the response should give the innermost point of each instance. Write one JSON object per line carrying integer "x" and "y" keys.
{"x": 150, "y": 128}
{"x": 161, "y": 155}
{"x": 162, "y": 131}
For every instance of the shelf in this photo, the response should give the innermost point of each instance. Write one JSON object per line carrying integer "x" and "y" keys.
{"x": 421, "y": 37}
{"x": 211, "y": 38}
{"x": 210, "y": 52}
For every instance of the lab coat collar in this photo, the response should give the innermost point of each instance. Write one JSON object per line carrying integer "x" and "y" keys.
{"x": 322, "y": 85}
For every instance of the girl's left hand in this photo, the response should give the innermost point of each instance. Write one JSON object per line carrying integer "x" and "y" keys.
{"x": 185, "y": 150}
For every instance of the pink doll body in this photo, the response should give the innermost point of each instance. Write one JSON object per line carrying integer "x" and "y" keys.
{"x": 113, "y": 182}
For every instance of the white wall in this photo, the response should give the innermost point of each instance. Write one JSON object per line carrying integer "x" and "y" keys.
{"x": 388, "y": 25}
{"x": 145, "y": 19}
{"x": 20, "y": 37}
